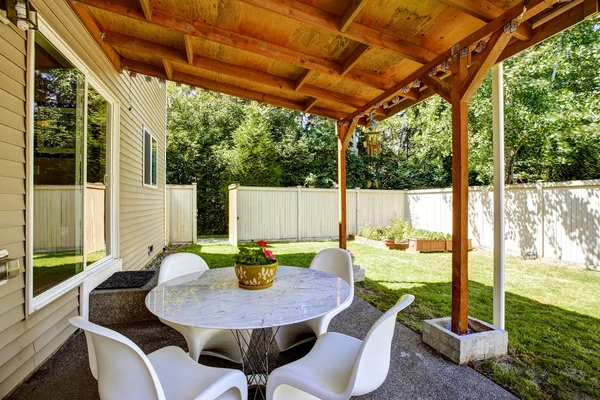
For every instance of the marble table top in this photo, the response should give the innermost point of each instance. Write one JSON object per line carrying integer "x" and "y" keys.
{"x": 212, "y": 299}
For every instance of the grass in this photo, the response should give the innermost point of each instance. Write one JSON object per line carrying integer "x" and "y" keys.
{"x": 552, "y": 309}
{"x": 50, "y": 269}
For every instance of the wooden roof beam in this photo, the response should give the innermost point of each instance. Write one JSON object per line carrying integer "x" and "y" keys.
{"x": 231, "y": 90}
{"x": 486, "y": 11}
{"x": 357, "y": 32}
{"x": 303, "y": 79}
{"x": 353, "y": 58}
{"x": 92, "y": 27}
{"x": 534, "y": 7}
{"x": 351, "y": 13}
{"x": 310, "y": 104}
{"x": 440, "y": 87}
{"x": 566, "y": 17}
{"x": 200, "y": 29}
{"x": 168, "y": 69}
{"x": 189, "y": 48}
{"x": 147, "y": 8}
{"x": 171, "y": 55}
{"x": 482, "y": 63}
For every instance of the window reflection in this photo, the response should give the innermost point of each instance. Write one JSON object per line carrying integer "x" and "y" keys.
{"x": 58, "y": 168}
{"x": 96, "y": 188}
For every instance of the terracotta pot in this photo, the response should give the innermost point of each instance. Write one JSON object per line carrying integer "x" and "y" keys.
{"x": 255, "y": 277}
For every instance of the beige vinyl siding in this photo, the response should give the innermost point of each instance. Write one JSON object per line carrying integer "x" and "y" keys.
{"x": 25, "y": 343}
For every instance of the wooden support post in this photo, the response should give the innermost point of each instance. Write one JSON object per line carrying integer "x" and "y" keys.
{"x": 460, "y": 200}
{"x": 343, "y": 133}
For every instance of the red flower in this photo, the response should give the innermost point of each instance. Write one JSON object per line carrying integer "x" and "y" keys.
{"x": 268, "y": 254}
{"x": 262, "y": 243}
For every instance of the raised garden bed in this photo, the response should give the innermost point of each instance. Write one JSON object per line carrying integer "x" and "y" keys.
{"x": 432, "y": 245}
{"x": 381, "y": 244}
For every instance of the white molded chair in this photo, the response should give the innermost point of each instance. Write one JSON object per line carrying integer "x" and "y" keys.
{"x": 336, "y": 262}
{"x": 339, "y": 366}
{"x": 123, "y": 371}
{"x": 213, "y": 342}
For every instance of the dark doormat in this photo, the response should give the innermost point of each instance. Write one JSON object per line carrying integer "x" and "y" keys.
{"x": 126, "y": 280}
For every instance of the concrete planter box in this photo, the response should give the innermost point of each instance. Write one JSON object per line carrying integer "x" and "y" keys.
{"x": 433, "y": 245}
{"x": 485, "y": 342}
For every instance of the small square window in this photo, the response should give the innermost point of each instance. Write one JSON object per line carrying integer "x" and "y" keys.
{"x": 150, "y": 159}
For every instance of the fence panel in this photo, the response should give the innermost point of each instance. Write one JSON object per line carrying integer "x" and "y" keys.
{"x": 554, "y": 220}
{"x": 54, "y": 217}
{"x": 182, "y": 213}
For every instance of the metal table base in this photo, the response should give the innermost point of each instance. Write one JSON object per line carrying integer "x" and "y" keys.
{"x": 255, "y": 357}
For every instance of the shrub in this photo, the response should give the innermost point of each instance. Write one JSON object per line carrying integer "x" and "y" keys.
{"x": 399, "y": 229}
{"x": 373, "y": 233}
{"x": 425, "y": 234}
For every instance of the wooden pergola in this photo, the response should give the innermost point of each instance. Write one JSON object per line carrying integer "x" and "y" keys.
{"x": 354, "y": 61}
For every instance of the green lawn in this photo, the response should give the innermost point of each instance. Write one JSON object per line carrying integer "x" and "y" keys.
{"x": 552, "y": 310}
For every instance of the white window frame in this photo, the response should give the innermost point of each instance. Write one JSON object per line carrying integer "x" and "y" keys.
{"x": 113, "y": 144}
{"x": 148, "y": 153}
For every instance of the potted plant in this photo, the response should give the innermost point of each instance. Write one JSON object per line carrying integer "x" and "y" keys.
{"x": 255, "y": 266}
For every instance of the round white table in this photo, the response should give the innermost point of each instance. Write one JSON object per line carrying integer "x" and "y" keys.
{"x": 212, "y": 299}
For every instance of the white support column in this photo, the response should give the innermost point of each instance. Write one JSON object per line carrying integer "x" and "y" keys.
{"x": 499, "y": 242}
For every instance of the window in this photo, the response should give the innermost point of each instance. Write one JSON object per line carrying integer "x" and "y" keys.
{"x": 150, "y": 159}
{"x": 69, "y": 185}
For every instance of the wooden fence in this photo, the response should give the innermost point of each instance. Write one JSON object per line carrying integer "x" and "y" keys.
{"x": 553, "y": 220}
{"x": 182, "y": 213}
{"x": 56, "y": 218}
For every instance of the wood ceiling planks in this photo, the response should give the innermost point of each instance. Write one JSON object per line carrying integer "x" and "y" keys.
{"x": 333, "y": 57}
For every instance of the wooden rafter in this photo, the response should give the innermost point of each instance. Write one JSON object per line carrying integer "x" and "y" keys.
{"x": 564, "y": 18}
{"x": 304, "y": 77}
{"x": 577, "y": 11}
{"x": 360, "y": 33}
{"x": 309, "y": 104}
{"x": 353, "y": 58}
{"x": 534, "y": 7}
{"x": 147, "y": 8}
{"x": 482, "y": 63}
{"x": 351, "y": 13}
{"x": 440, "y": 87}
{"x": 236, "y": 71}
{"x": 196, "y": 28}
{"x": 168, "y": 68}
{"x": 232, "y": 90}
{"x": 92, "y": 27}
{"x": 486, "y": 11}
{"x": 189, "y": 48}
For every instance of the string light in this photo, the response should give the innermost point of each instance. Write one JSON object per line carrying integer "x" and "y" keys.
{"x": 464, "y": 52}
{"x": 446, "y": 65}
{"x": 396, "y": 99}
{"x": 406, "y": 89}
{"x": 433, "y": 71}
{"x": 417, "y": 83}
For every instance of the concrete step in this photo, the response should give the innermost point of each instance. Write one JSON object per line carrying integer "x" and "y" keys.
{"x": 119, "y": 306}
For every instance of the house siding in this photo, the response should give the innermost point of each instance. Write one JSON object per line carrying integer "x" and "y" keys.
{"x": 27, "y": 341}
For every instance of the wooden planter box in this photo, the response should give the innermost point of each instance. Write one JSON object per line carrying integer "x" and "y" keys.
{"x": 432, "y": 245}
{"x": 397, "y": 246}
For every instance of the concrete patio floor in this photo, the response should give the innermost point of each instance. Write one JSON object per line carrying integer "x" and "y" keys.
{"x": 416, "y": 371}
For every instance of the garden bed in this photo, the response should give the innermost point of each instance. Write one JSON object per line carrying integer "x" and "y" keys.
{"x": 433, "y": 245}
